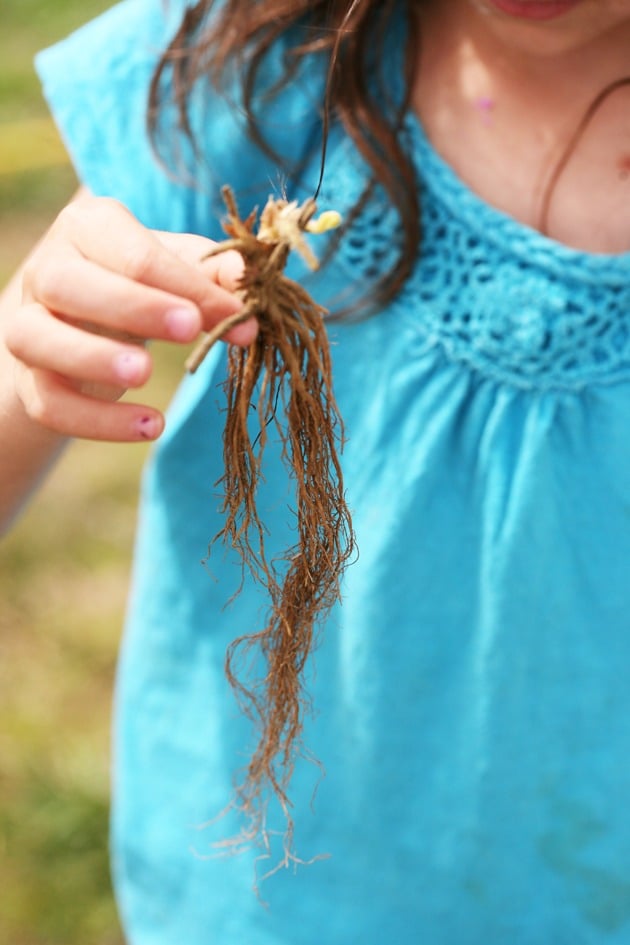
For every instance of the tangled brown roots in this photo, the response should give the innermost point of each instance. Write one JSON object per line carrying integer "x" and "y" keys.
{"x": 286, "y": 373}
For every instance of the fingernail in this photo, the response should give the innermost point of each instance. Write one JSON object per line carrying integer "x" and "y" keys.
{"x": 148, "y": 428}
{"x": 130, "y": 366}
{"x": 182, "y": 323}
{"x": 245, "y": 333}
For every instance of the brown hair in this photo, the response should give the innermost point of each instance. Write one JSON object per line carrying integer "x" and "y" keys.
{"x": 350, "y": 33}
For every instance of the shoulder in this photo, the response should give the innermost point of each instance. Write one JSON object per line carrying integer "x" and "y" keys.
{"x": 97, "y": 82}
{"x": 127, "y": 37}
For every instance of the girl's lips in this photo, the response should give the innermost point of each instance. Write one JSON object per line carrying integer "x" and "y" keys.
{"x": 534, "y": 9}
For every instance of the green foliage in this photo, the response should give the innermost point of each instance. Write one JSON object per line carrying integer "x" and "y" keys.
{"x": 35, "y": 192}
{"x": 56, "y": 885}
{"x": 63, "y": 576}
{"x": 63, "y": 581}
{"x": 29, "y": 25}
{"x": 29, "y": 200}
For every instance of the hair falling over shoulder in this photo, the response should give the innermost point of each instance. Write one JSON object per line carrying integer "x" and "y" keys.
{"x": 214, "y": 37}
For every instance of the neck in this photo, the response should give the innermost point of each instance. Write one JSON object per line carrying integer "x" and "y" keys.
{"x": 503, "y": 108}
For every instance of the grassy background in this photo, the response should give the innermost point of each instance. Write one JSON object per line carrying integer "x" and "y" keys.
{"x": 63, "y": 574}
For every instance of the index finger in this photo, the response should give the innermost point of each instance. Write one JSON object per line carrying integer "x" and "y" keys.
{"x": 133, "y": 251}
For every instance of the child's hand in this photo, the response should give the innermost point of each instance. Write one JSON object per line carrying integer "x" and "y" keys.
{"x": 98, "y": 286}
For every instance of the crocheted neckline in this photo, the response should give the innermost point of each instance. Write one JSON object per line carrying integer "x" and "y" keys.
{"x": 514, "y": 304}
{"x": 495, "y": 226}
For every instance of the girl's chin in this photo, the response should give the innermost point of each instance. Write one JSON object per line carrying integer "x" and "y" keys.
{"x": 532, "y": 9}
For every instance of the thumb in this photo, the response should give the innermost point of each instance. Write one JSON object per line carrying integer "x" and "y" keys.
{"x": 222, "y": 271}
{"x": 225, "y": 269}
{"x": 228, "y": 269}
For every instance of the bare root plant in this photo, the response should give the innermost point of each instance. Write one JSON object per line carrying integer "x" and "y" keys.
{"x": 286, "y": 374}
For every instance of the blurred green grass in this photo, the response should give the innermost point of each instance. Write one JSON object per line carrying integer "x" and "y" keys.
{"x": 63, "y": 578}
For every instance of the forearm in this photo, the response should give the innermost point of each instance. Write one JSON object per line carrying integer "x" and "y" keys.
{"x": 27, "y": 449}
{"x": 27, "y": 453}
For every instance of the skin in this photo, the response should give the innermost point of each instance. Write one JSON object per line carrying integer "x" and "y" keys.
{"x": 72, "y": 324}
{"x": 579, "y": 30}
{"x": 499, "y": 96}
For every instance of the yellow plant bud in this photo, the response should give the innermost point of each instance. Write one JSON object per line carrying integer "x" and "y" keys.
{"x": 328, "y": 220}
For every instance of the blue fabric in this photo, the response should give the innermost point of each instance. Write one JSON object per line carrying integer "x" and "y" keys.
{"x": 471, "y": 691}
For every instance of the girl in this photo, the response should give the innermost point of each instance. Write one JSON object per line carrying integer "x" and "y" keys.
{"x": 472, "y": 709}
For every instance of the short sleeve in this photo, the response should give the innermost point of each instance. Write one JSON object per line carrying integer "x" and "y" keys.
{"x": 96, "y": 83}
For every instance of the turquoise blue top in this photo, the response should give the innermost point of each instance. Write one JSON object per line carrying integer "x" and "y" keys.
{"x": 472, "y": 692}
